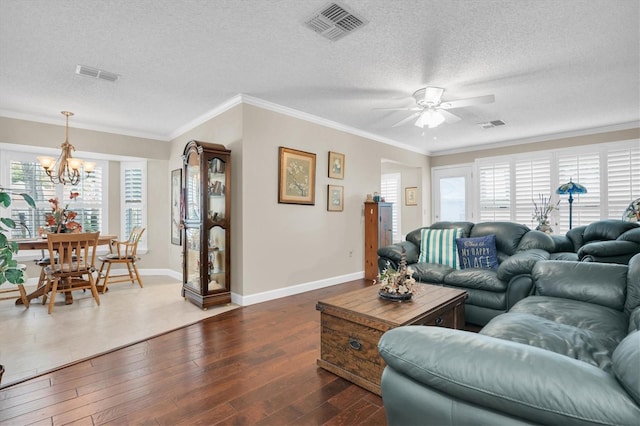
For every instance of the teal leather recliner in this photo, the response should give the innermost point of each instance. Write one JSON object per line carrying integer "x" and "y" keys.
{"x": 567, "y": 355}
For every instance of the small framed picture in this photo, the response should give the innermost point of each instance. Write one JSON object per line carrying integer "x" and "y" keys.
{"x": 335, "y": 198}
{"x": 296, "y": 177}
{"x": 411, "y": 196}
{"x": 336, "y": 165}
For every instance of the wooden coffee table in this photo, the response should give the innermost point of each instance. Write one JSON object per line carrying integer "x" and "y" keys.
{"x": 352, "y": 324}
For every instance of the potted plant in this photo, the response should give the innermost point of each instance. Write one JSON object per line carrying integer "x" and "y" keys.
{"x": 10, "y": 271}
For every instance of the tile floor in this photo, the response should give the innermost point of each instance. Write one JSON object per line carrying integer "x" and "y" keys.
{"x": 33, "y": 342}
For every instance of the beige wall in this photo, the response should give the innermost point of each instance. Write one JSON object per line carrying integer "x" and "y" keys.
{"x": 225, "y": 129}
{"x": 471, "y": 156}
{"x": 286, "y": 244}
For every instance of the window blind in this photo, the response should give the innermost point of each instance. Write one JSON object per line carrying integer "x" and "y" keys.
{"x": 623, "y": 180}
{"x": 495, "y": 194}
{"x": 390, "y": 191}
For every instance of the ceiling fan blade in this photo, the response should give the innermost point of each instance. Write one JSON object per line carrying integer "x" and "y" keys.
{"x": 449, "y": 117}
{"x": 486, "y": 99}
{"x": 406, "y": 120}
{"x": 398, "y": 109}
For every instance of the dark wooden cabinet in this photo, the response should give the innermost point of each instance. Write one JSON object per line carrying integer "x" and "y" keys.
{"x": 206, "y": 220}
{"x": 378, "y": 232}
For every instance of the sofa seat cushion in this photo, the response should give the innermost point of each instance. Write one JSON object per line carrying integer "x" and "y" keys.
{"x": 564, "y": 255}
{"x": 582, "y": 344}
{"x": 430, "y": 272}
{"x": 482, "y": 279}
{"x": 587, "y": 316}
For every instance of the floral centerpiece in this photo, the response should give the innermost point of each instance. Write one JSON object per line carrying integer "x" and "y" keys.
{"x": 397, "y": 285}
{"x": 61, "y": 219}
{"x": 541, "y": 212}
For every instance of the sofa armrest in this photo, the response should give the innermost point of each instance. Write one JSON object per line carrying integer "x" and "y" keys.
{"x": 393, "y": 254}
{"x": 609, "y": 249}
{"x": 520, "y": 263}
{"x": 520, "y": 380}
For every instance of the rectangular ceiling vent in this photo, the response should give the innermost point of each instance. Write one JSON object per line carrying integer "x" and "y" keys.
{"x": 492, "y": 124}
{"x": 96, "y": 73}
{"x": 334, "y": 22}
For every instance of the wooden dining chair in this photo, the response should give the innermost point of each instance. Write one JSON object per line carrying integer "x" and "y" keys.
{"x": 72, "y": 263}
{"x": 121, "y": 252}
{"x": 19, "y": 288}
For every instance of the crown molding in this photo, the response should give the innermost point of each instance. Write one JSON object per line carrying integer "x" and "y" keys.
{"x": 223, "y": 107}
{"x": 96, "y": 128}
{"x": 541, "y": 138}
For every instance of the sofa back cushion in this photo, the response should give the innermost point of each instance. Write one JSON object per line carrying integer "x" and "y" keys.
{"x": 416, "y": 235}
{"x": 508, "y": 236}
{"x": 604, "y": 284}
{"x": 606, "y": 230}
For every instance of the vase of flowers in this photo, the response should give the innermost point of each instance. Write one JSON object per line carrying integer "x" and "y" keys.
{"x": 541, "y": 212}
{"x": 62, "y": 219}
{"x": 397, "y": 285}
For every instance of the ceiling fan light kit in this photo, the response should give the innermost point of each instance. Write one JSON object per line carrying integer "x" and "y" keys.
{"x": 429, "y": 118}
{"x": 432, "y": 112}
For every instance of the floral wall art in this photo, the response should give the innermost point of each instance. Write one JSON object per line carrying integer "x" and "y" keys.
{"x": 296, "y": 177}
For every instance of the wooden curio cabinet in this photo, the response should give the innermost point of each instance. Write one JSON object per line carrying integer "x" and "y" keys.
{"x": 378, "y": 232}
{"x": 206, "y": 219}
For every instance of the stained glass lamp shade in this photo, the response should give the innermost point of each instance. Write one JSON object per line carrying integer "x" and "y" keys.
{"x": 571, "y": 188}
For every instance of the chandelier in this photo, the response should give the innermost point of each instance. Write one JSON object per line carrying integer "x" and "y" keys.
{"x": 65, "y": 169}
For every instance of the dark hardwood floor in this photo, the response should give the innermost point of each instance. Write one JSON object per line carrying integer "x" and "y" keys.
{"x": 251, "y": 366}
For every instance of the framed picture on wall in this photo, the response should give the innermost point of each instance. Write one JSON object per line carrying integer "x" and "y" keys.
{"x": 336, "y": 165}
{"x": 176, "y": 201}
{"x": 335, "y": 198}
{"x": 411, "y": 196}
{"x": 296, "y": 177}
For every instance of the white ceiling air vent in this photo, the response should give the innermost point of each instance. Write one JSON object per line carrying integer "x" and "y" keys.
{"x": 334, "y": 21}
{"x": 96, "y": 73}
{"x": 492, "y": 124}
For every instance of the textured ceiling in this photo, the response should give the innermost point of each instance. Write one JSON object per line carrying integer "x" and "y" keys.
{"x": 553, "y": 66}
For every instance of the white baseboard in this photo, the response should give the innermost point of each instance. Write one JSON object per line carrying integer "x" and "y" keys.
{"x": 290, "y": 291}
{"x": 252, "y": 299}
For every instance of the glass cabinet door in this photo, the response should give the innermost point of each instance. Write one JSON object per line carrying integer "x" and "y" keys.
{"x": 217, "y": 209}
{"x": 192, "y": 258}
{"x": 192, "y": 187}
{"x": 217, "y": 272}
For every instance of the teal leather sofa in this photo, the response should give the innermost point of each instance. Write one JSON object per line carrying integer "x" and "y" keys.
{"x": 567, "y": 355}
{"x": 490, "y": 291}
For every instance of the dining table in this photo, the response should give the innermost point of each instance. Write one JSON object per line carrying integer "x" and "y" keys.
{"x": 41, "y": 243}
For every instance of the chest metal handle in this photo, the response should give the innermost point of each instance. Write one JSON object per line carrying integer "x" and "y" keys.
{"x": 354, "y": 344}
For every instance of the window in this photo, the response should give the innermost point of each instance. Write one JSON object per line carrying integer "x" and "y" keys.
{"x": 133, "y": 198}
{"x": 26, "y": 175}
{"x": 495, "y": 192}
{"x": 390, "y": 191}
{"x": 532, "y": 178}
{"x": 623, "y": 180}
{"x": 507, "y": 186}
{"x": 584, "y": 169}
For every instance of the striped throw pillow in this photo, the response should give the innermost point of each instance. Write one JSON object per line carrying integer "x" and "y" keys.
{"x": 439, "y": 246}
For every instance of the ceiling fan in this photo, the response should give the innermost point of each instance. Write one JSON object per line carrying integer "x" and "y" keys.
{"x": 431, "y": 111}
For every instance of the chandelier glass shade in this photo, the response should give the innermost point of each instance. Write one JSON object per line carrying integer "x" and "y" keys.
{"x": 66, "y": 169}
{"x": 429, "y": 118}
